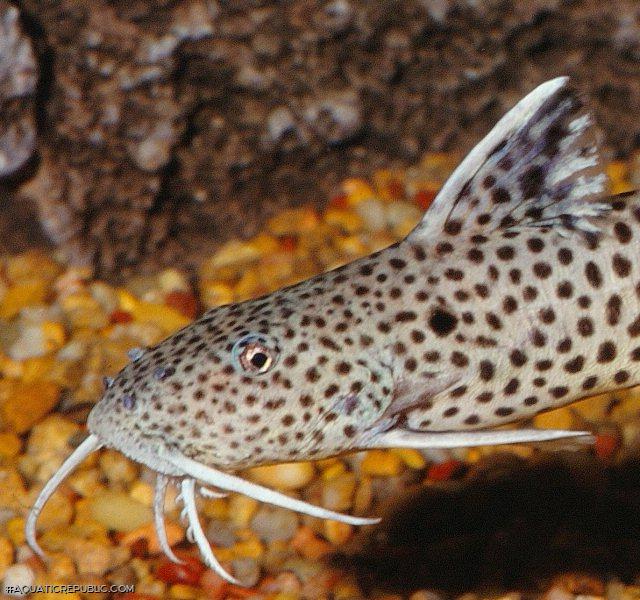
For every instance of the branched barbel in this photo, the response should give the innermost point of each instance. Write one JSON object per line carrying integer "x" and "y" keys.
{"x": 517, "y": 293}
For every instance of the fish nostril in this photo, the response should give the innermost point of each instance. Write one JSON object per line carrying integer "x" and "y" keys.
{"x": 161, "y": 373}
{"x": 135, "y": 354}
{"x": 128, "y": 401}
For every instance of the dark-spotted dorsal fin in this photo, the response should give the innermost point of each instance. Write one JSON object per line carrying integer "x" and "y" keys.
{"x": 539, "y": 166}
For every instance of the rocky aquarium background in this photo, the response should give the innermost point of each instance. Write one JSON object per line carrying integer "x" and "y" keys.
{"x": 145, "y": 133}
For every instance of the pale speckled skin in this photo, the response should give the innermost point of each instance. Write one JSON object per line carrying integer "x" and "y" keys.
{"x": 517, "y": 295}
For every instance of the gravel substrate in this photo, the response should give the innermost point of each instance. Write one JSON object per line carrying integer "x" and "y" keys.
{"x": 479, "y": 523}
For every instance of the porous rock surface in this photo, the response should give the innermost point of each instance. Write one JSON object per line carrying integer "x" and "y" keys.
{"x": 165, "y": 127}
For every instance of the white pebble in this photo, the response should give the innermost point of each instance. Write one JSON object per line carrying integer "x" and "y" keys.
{"x": 372, "y": 212}
{"x": 273, "y": 524}
{"x": 16, "y": 578}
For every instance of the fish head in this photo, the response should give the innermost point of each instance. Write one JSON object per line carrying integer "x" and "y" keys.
{"x": 262, "y": 381}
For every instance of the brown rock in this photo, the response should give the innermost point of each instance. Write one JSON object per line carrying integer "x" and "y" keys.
{"x": 167, "y": 127}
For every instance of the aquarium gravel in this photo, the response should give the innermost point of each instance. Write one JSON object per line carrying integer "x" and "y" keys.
{"x": 62, "y": 331}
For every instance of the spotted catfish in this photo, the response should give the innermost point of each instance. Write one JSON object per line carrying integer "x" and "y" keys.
{"x": 518, "y": 292}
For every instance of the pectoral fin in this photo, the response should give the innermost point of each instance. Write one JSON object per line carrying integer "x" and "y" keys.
{"x": 404, "y": 438}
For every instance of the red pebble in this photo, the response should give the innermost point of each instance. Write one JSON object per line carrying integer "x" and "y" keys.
{"x": 424, "y": 198}
{"x": 338, "y": 201}
{"x": 288, "y": 243}
{"x": 445, "y": 470}
{"x": 188, "y": 573}
{"x": 120, "y": 316}
{"x": 184, "y": 302}
{"x": 606, "y": 445}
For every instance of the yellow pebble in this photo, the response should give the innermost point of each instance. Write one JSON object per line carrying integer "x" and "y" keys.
{"x": 248, "y": 285}
{"x": 54, "y": 334}
{"x": 265, "y": 244}
{"x": 61, "y": 567}
{"x": 251, "y": 548}
{"x": 333, "y": 471}
{"x": 233, "y": 252}
{"x": 285, "y": 596}
{"x": 405, "y": 227}
{"x": 10, "y": 445}
{"x": 86, "y": 482}
{"x": 618, "y": 171}
{"x": 171, "y": 280}
{"x": 116, "y": 510}
{"x": 79, "y": 300}
{"x": 276, "y": 268}
{"x": 381, "y": 463}
{"x": 363, "y": 496}
{"x": 216, "y": 293}
{"x": 594, "y": 408}
{"x": 242, "y": 509}
{"x": 165, "y": 317}
{"x": 57, "y": 512}
{"x": 215, "y": 508}
{"x": 117, "y": 468}
{"x": 560, "y": 418}
{"x": 350, "y": 246}
{"x": 6, "y": 555}
{"x": 10, "y": 368}
{"x": 473, "y": 455}
{"x": 21, "y": 295}
{"x": 325, "y": 463}
{"x": 293, "y": 221}
{"x": 41, "y": 367}
{"x": 15, "y": 530}
{"x": 346, "y": 220}
{"x": 410, "y": 457}
{"x": 337, "y": 493}
{"x": 181, "y": 591}
{"x": 357, "y": 190}
{"x": 285, "y": 476}
{"x": 32, "y": 264}
{"x": 175, "y": 534}
{"x": 142, "y": 492}
{"x": 28, "y": 404}
{"x": 126, "y": 300}
{"x": 347, "y": 591}
{"x": 337, "y": 533}
{"x": 389, "y": 183}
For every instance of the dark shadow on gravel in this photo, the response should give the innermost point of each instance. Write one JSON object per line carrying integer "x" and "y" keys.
{"x": 508, "y": 526}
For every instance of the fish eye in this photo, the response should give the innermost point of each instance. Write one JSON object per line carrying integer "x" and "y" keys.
{"x": 254, "y": 353}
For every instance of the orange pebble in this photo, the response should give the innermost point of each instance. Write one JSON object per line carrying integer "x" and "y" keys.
{"x": 339, "y": 201}
{"x": 395, "y": 188}
{"x": 189, "y": 572}
{"x": 606, "y": 445}
{"x": 184, "y": 302}
{"x": 147, "y": 533}
{"x": 213, "y": 586}
{"x": 309, "y": 545}
{"x": 445, "y": 470}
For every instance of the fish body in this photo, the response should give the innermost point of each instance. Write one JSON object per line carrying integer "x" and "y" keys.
{"x": 516, "y": 293}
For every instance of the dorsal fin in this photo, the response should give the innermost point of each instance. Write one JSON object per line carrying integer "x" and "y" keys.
{"x": 539, "y": 166}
